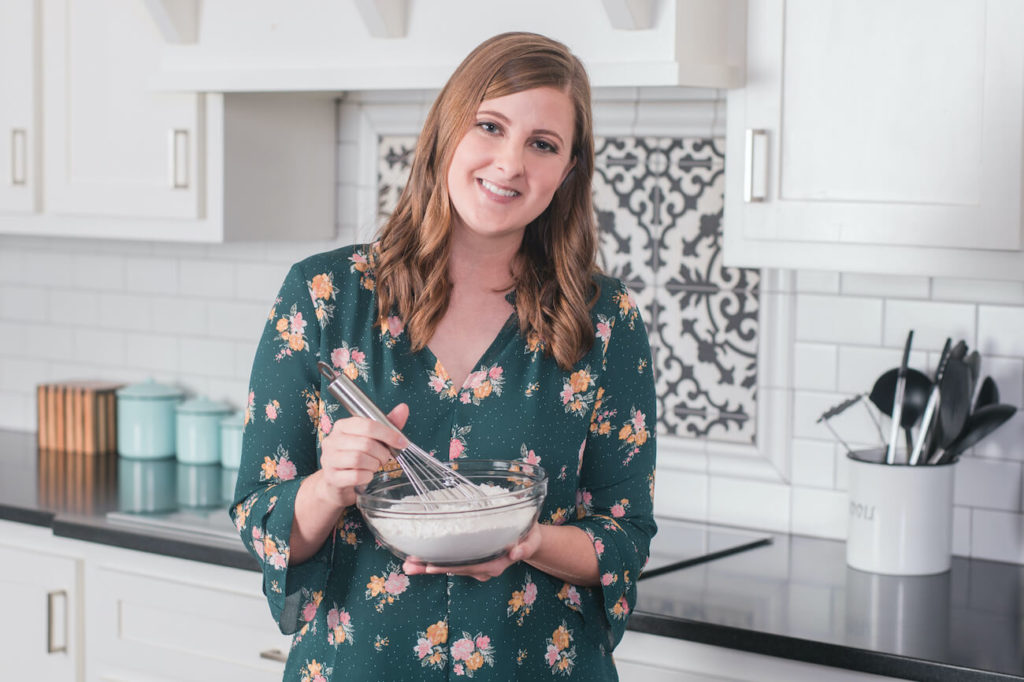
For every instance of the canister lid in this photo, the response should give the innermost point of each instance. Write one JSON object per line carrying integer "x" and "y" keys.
{"x": 233, "y": 422}
{"x": 149, "y": 390}
{"x": 203, "y": 406}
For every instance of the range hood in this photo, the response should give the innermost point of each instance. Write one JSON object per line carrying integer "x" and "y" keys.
{"x": 331, "y": 45}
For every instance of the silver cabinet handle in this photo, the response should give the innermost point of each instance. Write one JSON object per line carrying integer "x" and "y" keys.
{"x": 750, "y": 192}
{"x": 274, "y": 655}
{"x": 19, "y": 157}
{"x": 178, "y": 159}
{"x": 51, "y": 599}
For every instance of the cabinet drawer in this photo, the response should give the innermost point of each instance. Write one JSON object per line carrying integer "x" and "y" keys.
{"x": 192, "y": 622}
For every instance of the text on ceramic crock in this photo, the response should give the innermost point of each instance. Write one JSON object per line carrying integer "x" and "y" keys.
{"x": 862, "y": 511}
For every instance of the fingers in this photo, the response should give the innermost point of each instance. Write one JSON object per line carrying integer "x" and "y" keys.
{"x": 399, "y": 415}
{"x": 482, "y": 572}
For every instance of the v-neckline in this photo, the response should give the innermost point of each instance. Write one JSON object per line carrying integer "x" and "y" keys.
{"x": 494, "y": 349}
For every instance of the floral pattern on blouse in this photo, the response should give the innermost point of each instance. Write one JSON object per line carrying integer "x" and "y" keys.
{"x": 350, "y": 607}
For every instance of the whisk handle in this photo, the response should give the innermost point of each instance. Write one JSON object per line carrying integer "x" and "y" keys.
{"x": 352, "y": 397}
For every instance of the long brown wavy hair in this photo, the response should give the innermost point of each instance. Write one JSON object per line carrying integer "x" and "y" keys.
{"x": 554, "y": 267}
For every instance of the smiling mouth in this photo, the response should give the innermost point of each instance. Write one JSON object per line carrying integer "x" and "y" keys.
{"x": 494, "y": 189}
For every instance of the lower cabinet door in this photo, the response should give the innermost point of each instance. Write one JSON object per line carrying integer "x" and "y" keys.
{"x": 651, "y": 658}
{"x": 38, "y": 634}
{"x": 154, "y": 619}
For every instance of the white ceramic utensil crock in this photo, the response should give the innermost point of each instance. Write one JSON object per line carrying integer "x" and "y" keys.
{"x": 900, "y": 516}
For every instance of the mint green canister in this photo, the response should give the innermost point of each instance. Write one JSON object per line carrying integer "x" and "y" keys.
{"x": 145, "y": 420}
{"x": 198, "y": 430}
{"x": 231, "y": 440}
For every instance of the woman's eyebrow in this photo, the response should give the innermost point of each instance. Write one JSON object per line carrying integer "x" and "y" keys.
{"x": 504, "y": 119}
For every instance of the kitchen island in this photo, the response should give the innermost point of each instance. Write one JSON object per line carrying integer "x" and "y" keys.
{"x": 791, "y": 598}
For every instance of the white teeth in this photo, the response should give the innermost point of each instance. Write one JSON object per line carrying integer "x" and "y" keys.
{"x": 497, "y": 190}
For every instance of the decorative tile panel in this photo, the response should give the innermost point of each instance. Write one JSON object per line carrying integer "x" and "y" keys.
{"x": 658, "y": 202}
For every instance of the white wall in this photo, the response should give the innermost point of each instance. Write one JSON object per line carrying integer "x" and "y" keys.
{"x": 191, "y": 315}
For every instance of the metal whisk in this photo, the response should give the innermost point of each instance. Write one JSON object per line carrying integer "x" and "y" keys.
{"x": 427, "y": 475}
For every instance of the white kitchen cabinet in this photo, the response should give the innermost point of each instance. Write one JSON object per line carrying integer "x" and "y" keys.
{"x": 123, "y": 160}
{"x": 641, "y": 657}
{"x": 158, "y": 619}
{"x": 19, "y": 106}
{"x": 40, "y": 636}
{"x": 879, "y": 136}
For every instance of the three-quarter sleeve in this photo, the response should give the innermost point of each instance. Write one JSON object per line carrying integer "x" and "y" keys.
{"x": 615, "y": 503}
{"x": 280, "y": 448}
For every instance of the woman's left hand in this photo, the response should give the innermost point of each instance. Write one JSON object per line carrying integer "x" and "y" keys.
{"x": 521, "y": 551}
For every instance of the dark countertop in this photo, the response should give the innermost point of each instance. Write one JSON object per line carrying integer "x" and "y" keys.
{"x": 793, "y": 597}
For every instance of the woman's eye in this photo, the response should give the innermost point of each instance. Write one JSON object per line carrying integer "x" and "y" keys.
{"x": 487, "y": 127}
{"x": 546, "y": 146}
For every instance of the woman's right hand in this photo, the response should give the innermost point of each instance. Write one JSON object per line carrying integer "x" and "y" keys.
{"x": 353, "y": 451}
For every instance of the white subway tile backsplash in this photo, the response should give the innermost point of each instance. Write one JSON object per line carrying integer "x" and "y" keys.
{"x": 21, "y": 374}
{"x": 932, "y": 323}
{"x": 1001, "y": 330}
{"x": 239, "y": 320}
{"x": 750, "y": 504}
{"x": 260, "y": 282}
{"x": 812, "y": 463}
{"x": 99, "y": 347}
{"x": 838, "y": 319}
{"x": 186, "y": 316}
{"x": 151, "y": 275}
{"x": 997, "y": 535}
{"x": 820, "y": 513}
{"x": 207, "y": 278}
{"x": 72, "y": 307}
{"x": 977, "y": 291}
{"x": 988, "y": 484}
{"x": 151, "y": 351}
{"x": 129, "y": 312}
{"x": 814, "y": 366}
{"x": 207, "y": 357}
{"x": 681, "y": 494}
{"x": 45, "y": 267}
{"x": 23, "y": 303}
{"x": 884, "y": 286}
{"x": 97, "y": 272}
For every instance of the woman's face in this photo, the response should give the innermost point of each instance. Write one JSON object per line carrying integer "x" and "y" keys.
{"x": 510, "y": 162}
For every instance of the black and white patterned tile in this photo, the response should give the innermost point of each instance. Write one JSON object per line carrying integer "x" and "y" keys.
{"x": 658, "y": 203}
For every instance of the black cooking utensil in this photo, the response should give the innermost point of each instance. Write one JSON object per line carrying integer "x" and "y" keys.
{"x": 980, "y": 423}
{"x": 954, "y": 401}
{"x": 973, "y": 361}
{"x": 929, "y": 418}
{"x": 915, "y": 394}
{"x": 988, "y": 394}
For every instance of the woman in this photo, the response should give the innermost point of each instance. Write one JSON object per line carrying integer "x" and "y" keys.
{"x": 481, "y": 306}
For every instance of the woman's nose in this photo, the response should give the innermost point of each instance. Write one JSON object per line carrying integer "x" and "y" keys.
{"x": 510, "y": 158}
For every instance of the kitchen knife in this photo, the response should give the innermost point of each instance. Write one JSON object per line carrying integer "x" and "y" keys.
{"x": 897, "y": 403}
{"x": 929, "y": 410}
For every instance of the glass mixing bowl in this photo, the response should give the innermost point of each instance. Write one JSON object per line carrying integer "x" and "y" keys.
{"x": 455, "y": 532}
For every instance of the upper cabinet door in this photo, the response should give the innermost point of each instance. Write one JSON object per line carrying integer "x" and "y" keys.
{"x": 113, "y": 146}
{"x": 871, "y": 122}
{"x": 19, "y": 130}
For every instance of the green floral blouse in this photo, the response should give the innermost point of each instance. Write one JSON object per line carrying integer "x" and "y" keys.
{"x": 354, "y": 614}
